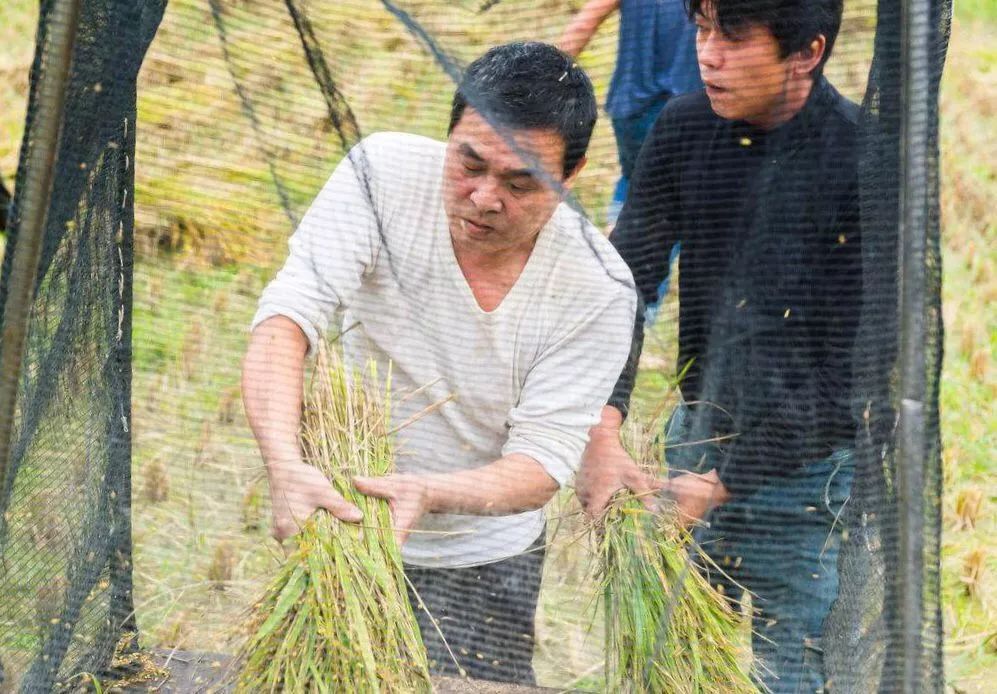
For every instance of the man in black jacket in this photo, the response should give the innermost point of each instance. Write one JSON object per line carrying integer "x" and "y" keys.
{"x": 756, "y": 176}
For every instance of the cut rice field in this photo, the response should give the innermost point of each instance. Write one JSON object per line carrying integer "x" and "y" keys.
{"x": 210, "y": 234}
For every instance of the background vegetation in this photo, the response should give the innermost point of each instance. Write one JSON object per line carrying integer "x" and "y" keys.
{"x": 217, "y": 198}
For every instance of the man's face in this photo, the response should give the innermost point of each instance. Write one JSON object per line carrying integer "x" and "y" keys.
{"x": 745, "y": 76}
{"x": 498, "y": 194}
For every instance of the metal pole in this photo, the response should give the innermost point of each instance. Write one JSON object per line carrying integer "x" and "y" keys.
{"x": 43, "y": 145}
{"x": 912, "y": 443}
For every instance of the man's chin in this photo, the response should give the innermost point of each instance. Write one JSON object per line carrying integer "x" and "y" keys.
{"x": 721, "y": 106}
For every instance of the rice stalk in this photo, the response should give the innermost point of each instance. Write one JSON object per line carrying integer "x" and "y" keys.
{"x": 337, "y": 616}
{"x": 667, "y": 629}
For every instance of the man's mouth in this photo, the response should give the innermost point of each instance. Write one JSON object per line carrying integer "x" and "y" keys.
{"x": 712, "y": 88}
{"x": 474, "y": 227}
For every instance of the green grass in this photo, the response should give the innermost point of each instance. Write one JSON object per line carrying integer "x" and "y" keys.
{"x": 18, "y": 21}
{"x": 204, "y": 191}
{"x": 983, "y": 10}
{"x": 969, "y": 381}
{"x": 194, "y": 462}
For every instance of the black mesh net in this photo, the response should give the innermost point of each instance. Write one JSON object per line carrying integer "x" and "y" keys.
{"x": 65, "y": 530}
{"x": 779, "y": 247}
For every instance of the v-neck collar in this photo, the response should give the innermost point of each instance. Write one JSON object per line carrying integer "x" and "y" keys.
{"x": 448, "y": 257}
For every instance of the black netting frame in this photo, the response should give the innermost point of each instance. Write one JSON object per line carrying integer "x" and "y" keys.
{"x": 70, "y": 452}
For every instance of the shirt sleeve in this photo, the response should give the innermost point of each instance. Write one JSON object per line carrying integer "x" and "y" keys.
{"x": 646, "y": 232}
{"x": 334, "y": 246}
{"x": 568, "y": 385}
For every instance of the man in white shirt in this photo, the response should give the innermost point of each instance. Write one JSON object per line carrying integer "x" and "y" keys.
{"x": 458, "y": 264}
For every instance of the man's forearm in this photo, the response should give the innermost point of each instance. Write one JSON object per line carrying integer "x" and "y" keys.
{"x": 512, "y": 484}
{"x": 272, "y": 384}
{"x": 584, "y": 24}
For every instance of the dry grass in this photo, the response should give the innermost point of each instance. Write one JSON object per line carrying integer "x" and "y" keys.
{"x": 973, "y": 570}
{"x": 17, "y": 29}
{"x": 968, "y": 503}
{"x": 254, "y": 506}
{"x": 222, "y": 567}
{"x": 156, "y": 483}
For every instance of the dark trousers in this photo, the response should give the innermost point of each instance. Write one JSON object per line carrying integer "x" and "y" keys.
{"x": 486, "y": 614}
{"x": 781, "y": 543}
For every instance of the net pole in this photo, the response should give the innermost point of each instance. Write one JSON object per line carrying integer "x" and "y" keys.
{"x": 53, "y": 79}
{"x": 912, "y": 441}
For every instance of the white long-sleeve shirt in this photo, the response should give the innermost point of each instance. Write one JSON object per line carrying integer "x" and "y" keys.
{"x": 529, "y": 377}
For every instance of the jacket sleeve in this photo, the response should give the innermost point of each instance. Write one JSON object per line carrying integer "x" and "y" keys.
{"x": 646, "y": 232}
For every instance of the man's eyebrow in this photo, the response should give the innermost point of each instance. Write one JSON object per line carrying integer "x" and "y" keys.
{"x": 520, "y": 173}
{"x": 468, "y": 151}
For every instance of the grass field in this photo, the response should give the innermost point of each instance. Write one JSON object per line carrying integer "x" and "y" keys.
{"x": 212, "y": 226}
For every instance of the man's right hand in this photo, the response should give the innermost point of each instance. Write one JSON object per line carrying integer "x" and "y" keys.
{"x": 607, "y": 468}
{"x": 296, "y": 491}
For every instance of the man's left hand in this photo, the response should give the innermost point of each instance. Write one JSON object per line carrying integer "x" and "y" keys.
{"x": 407, "y": 496}
{"x": 696, "y": 495}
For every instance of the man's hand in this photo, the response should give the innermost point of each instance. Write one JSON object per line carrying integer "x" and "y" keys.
{"x": 607, "y": 468}
{"x": 272, "y": 383}
{"x": 696, "y": 495}
{"x": 296, "y": 491}
{"x": 407, "y": 496}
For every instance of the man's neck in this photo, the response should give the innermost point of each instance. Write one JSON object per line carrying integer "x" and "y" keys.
{"x": 794, "y": 99}
{"x": 492, "y": 274}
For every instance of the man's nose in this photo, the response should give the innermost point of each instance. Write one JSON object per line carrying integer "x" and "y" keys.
{"x": 486, "y": 196}
{"x": 710, "y": 53}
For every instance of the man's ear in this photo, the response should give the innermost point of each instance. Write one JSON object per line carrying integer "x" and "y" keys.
{"x": 570, "y": 179}
{"x": 805, "y": 60}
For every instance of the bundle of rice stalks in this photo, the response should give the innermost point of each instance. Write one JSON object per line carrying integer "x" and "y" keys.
{"x": 667, "y": 629}
{"x": 336, "y": 618}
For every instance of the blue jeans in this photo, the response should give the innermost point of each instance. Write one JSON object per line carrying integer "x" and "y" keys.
{"x": 781, "y": 544}
{"x": 631, "y": 132}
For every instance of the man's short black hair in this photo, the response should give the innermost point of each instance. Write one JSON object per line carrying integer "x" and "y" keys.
{"x": 793, "y": 23}
{"x": 531, "y": 85}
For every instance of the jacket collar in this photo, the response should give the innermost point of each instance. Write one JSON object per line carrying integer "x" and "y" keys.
{"x": 802, "y": 127}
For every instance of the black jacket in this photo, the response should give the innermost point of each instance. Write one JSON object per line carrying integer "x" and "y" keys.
{"x": 770, "y": 274}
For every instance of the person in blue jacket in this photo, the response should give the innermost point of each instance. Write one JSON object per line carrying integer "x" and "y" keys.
{"x": 656, "y": 60}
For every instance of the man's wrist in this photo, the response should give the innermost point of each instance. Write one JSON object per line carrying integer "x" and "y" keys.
{"x": 280, "y": 468}
{"x": 432, "y": 488}
{"x": 610, "y": 422}
{"x": 721, "y": 495}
